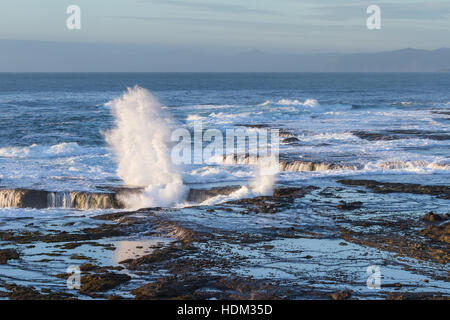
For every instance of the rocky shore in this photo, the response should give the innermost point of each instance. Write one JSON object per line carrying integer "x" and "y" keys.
{"x": 303, "y": 242}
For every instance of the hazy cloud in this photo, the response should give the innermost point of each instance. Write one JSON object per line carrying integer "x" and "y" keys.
{"x": 39, "y": 56}
{"x": 211, "y": 6}
{"x": 243, "y": 24}
{"x": 430, "y": 10}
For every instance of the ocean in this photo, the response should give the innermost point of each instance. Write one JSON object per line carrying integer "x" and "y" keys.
{"x": 77, "y": 139}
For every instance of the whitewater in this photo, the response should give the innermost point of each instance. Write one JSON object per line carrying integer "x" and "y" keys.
{"x": 110, "y": 145}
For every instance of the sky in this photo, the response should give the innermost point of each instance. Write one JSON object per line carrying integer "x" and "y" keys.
{"x": 279, "y": 26}
{"x": 214, "y": 35}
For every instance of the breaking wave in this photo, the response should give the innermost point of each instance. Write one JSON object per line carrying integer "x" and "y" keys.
{"x": 39, "y": 199}
{"x": 295, "y": 102}
{"x": 265, "y": 169}
{"x": 140, "y": 142}
{"x": 41, "y": 151}
{"x": 311, "y": 166}
{"x": 407, "y": 165}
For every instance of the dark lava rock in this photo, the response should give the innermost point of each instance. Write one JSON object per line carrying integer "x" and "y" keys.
{"x": 34, "y": 199}
{"x": 392, "y": 285}
{"x": 27, "y": 198}
{"x": 171, "y": 287}
{"x": 200, "y": 195}
{"x": 292, "y": 192}
{"x": 373, "y": 136}
{"x": 114, "y": 297}
{"x": 256, "y": 126}
{"x": 432, "y": 217}
{"x": 16, "y": 292}
{"x": 400, "y": 134}
{"x": 439, "y": 233}
{"x": 341, "y": 295}
{"x": 8, "y": 254}
{"x": 281, "y": 199}
{"x": 99, "y": 232}
{"x": 290, "y": 140}
{"x": 387, "y": 187}
{"x": 350, "y": 205}
{"x": 112, "y": 216}
{"x": 205, "y": 287}
{"x": 153, "y": 258}
{"x": 406, "y": 237}
{"x": 102, "y": 282}
{"x": 85, "y": 267}
{"x": 416, "y": 296}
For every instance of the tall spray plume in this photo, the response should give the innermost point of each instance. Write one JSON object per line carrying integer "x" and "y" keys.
{"x": 140, "y": 143}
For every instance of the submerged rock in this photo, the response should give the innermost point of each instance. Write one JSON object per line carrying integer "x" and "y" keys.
{"x": 102, "y": 282}
{"x": 8, "y": 254}
{"x": 350, "y": 205}
{"x": 173, "y": 287}
{"x": 341, "y": 295}
{"x": 290, "y": 140}
{"x": 17, "y": 292}
{"x": 439, "y": 233}
{"x": 389, "y": 187}
{"x": 200, "y": 195}
{"x": 432, "y": 217}
{"x": 23, "y": 198}
{"x": 281, "y": 199}
{"x": 399, "y": 134}
{"x": 416, "y": 296}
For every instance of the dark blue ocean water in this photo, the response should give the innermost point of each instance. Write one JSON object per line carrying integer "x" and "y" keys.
{"x": 51, "y": 125}
{"x": 52, "y": 108}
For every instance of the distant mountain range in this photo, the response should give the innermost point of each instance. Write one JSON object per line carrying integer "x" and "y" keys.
{"x": 405, "y": 60}
{"x": 40, "y": 56}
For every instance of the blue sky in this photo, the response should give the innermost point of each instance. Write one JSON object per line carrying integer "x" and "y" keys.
{"x": 279, "y": 26}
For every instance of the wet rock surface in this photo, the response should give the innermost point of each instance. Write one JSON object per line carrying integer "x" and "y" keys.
{"x": 101, "y": 282}
{"x": 398, "y": 134}
{"x": 350, "y": 206}
{"x": 8, "y": 254}
{"x": 23, "y": 198}
{"x": 386, "y": 187}
{"x": 290, "y": 140}
{"x": 282, "y": 198}
{"x": 341, "y": 295}
{"x": 15, "y": 292}
{"x": 303, "y": 242}
{"x": 200, "y": 195}
{"x": 433, "y": 217}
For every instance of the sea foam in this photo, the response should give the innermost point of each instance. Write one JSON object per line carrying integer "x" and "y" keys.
{"x": 62, "y": 149}
{"x": 265, "y": 173}
{"x": 140, "y": 142}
